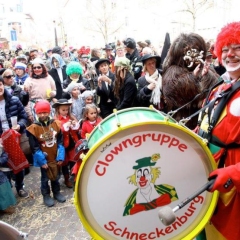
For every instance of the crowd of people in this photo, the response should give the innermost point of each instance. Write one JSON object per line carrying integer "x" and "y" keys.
{"x": 59, "y": 98}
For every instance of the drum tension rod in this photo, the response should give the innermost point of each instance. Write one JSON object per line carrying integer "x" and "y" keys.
{"x": 116, "y": 116}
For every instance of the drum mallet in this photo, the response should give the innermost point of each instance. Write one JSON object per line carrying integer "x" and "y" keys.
{"x": 166, "y": 214}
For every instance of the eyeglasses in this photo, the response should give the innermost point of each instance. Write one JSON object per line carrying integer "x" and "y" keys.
{"x": 9, "y": 76}
{"x": 38, "y": 67}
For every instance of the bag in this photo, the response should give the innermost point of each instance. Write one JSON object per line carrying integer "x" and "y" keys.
{"x": 52, "y": 171}
{"x": 24, "y": 144}
{"x": 16, "y": 158}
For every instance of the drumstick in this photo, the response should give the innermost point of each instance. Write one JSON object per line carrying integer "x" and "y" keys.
{"x": 166, "y": 214}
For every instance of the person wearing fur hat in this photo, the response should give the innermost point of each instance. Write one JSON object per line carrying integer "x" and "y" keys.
{"x": 185, "y": 76}
{"x": 46, "y": 141}
{"x": 58, "y": 73}
{"x": 20, "y": 71}
{"x": 74, "y": 74}
{"x": 125, "y": 89}
{"x": 76, "y": 99}
{"x": 150, "y": 85}
{"x": 105, "y": 87}
{"x": 40, "y": 85}
{"x": 70, "y": 129}
{"x": 222, "y": 131}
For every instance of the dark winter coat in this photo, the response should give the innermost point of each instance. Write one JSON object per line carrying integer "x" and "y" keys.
{"x": 53, "y": 72}
{"x": 144, "y": 94}
{"x": 21, "y": 94}
{"x": 14, "y": 107}
{"x": 127, "y": 92}
{"x": 105, "y": 94}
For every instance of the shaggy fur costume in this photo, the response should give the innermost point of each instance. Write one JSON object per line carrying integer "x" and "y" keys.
{"x": 180, "y": 85}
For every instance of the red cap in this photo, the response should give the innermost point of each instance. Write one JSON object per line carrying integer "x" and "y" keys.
{"x": 42, "y": 106}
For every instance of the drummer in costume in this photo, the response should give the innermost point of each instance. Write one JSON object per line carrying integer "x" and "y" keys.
{"x": 223, "y": 135}
{"x": 185, "y": 76}
{"x": 70, "y": 128}
{"x": 45, "y": 138}
{"x": 150, "y": 85}
{"x": 148, "y": 195}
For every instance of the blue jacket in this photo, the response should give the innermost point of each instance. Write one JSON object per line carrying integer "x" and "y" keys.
{"x": 14, "y": 107}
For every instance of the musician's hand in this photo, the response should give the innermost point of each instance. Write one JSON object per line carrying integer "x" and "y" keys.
{"x": 16, "y": 128}
{"x": 45, "y": 166}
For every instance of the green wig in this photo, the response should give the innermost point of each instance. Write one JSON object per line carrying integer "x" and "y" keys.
{"x": 74, "y": 67}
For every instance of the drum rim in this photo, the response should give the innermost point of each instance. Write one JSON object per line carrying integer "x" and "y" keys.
{"x": 167, "y": 117}
{"x": 89, "y": 226}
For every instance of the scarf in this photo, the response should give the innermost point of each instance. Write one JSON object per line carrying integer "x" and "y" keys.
{"x": 156, "y": 92}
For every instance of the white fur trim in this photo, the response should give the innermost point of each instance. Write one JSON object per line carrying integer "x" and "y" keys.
{"x": 235, "y": 107}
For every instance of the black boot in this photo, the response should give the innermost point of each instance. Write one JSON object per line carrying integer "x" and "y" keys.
{"x": 59, "y": 197}
{"x": 48, "y": 201}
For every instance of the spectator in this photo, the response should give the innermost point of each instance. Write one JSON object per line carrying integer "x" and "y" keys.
{"x": 125, "y": 88}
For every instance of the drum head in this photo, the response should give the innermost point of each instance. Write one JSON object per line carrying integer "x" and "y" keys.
{"x": 134, "y": 171}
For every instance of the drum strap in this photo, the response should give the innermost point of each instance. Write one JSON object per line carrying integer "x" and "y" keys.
{"x": 223, "y": 98}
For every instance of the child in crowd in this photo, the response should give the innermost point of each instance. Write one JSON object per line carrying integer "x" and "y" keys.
{"x": 21, "y": 75}
{"x": 90, "y": 120}
{"x": 76, "y": 99}
{"x": 70, "y": 128}
{"x": 46, "y": 142}
{"x": 88, "y": 98}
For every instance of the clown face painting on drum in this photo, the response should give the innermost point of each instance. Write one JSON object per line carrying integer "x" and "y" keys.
{"x": 139, "y": 161}
{"x": 148, "y": 196}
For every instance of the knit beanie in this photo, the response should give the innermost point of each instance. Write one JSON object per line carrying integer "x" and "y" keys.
{"x": 74, "y": 67}
{"x": 42, "y": 106}
{"x": 19, "y": 65}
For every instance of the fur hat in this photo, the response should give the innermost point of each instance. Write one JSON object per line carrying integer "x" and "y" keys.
{"x": 42, "y": 106}
{"x": 87, "y": 94}
{"x": 230, "y": 34}
{"x": 71, "y": 86}
{"x": 20, "y": 65}
{"x": 74, "y": 67}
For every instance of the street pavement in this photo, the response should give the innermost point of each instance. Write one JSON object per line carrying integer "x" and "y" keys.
{"x": 60, "y": 222}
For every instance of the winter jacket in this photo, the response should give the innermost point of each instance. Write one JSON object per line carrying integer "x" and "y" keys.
{"x": 14, "y": 107}
{"x": 127, "y": 92}
{"x": 53, "y": 72}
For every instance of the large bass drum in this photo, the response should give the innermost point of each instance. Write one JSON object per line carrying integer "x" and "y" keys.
{"x": 140, "y": 160}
